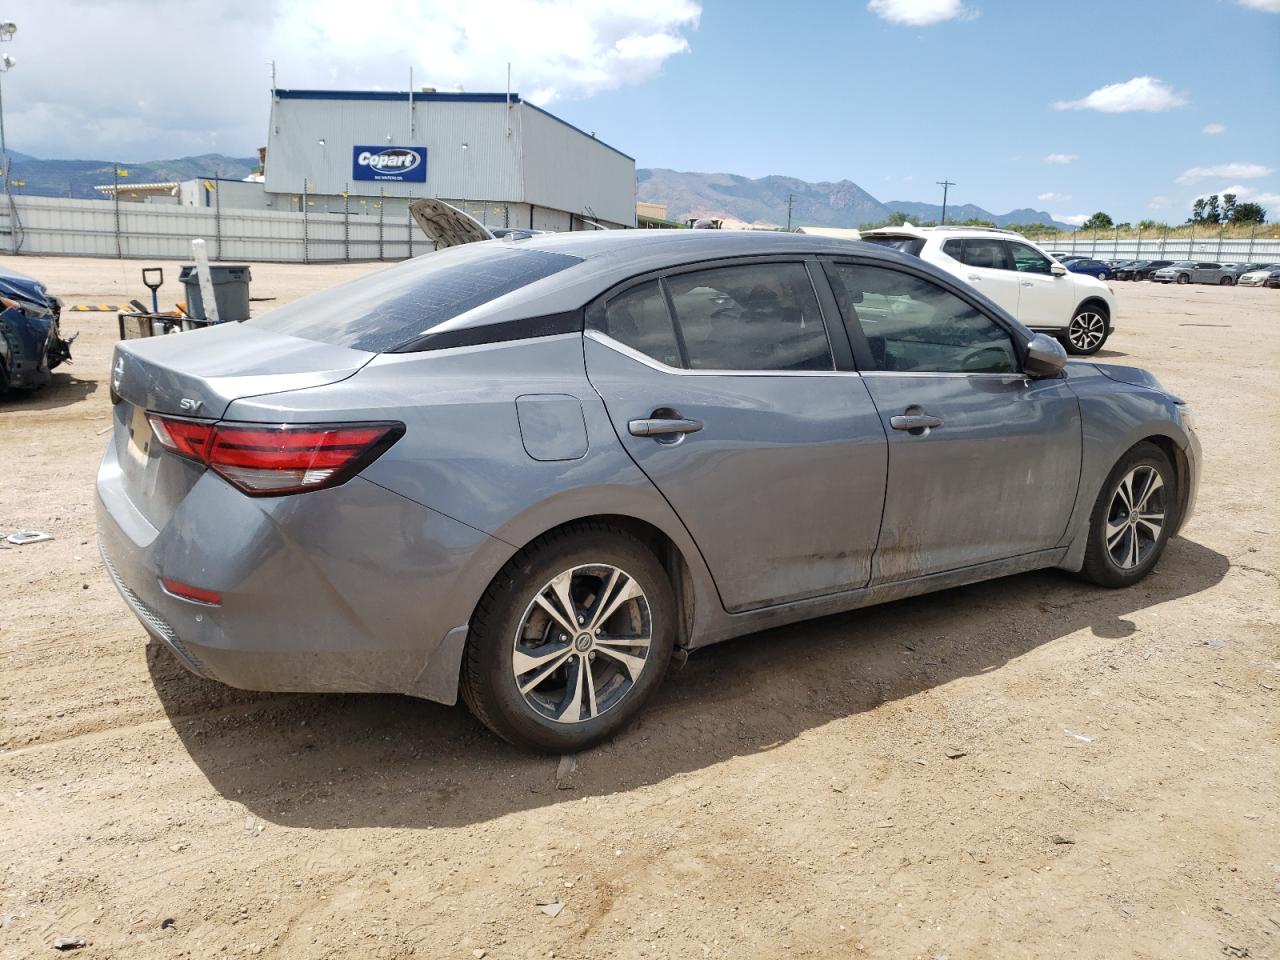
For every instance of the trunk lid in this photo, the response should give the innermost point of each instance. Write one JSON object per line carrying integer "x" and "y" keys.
{"x": 198, "y": 374}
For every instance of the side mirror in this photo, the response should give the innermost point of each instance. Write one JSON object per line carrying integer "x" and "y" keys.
{"x": 1045, "y": 357}
{"x": 1058, "y": 270}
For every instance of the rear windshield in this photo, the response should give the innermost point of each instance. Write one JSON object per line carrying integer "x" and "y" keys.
{"x": 911, "y": 245}
{"x": 391, "y": 307}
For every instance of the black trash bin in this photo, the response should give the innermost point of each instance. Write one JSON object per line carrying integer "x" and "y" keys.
{"x": 230, "y": 289}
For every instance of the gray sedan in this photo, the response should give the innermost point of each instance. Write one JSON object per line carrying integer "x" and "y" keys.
{"x": 532, "y": 470}
{"x": 1196, "y": 271}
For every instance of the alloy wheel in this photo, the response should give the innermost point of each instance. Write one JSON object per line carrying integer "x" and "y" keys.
{"x": 1087, "y": 331}
{"x": 582, "y": 643}
{"x": 1136, "y": 516}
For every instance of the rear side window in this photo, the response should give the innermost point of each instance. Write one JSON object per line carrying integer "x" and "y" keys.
{"x": 639, "y": 318}
{"x": 983, "y": 252}
{"x": 751, "y": 317}
{"x": 392, "y": 307}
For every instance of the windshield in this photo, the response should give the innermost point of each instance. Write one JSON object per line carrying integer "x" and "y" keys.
{"x": 393, "y": 306}
{"x": 1182, "y": 263}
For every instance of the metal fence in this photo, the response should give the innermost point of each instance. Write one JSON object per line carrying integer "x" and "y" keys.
{"x": 103, "y": 228}
{"x": 1160, "y": 246}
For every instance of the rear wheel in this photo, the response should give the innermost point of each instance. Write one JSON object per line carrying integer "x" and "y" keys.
{"x": 1225, "y": 281}
{"x": 1184, "y": 278}
{"x": 1132, "y": 518}
{"x": 1087, "y": 332}
{"x": 570, "y": 639}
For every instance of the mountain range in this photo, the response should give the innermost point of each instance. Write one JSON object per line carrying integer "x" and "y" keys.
{"x": 760, "y": 202}
{"x": 763, "y": 202}
{"x": 77, "y": 178}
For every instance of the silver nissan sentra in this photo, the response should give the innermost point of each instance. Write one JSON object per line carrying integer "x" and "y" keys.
{"x": 531, "y": 469}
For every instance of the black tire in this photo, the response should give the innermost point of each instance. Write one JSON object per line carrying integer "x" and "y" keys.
{"x": 1101, "y": 565}
{"x": 1184, "y": 278}
{"x": 1226, "y": 281}
{"x": 1087, "y": 331}
{"x": 489, "y": 684}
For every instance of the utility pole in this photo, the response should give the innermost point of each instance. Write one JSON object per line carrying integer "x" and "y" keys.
{"x": 791, "y": 198}
{"x": 945, "y": 185}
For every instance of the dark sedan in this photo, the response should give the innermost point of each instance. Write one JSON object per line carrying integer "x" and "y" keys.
{"x": 1140, "y": 269}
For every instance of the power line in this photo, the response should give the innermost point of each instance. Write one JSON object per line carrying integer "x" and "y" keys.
{"x": 945, "y": 185}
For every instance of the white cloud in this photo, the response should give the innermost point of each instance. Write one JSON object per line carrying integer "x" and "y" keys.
{"x": 1061, "y": 158}
{"x": 1235, "y": 171}
{"x": 1141, "y": 93}
{"x": 1212, "y": 128}
{"x": 1158, "y": 203}
{"x": 920, "y": 13}
{"x": 213, "y": 95}
{"x": 1266, "y": 6}
{"x": 1249, "y": 194}
{"x": 1052, "y": 197}
{"x": 1075, "y": 219}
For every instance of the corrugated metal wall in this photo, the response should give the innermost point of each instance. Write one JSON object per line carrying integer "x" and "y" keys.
{"x": 567, "y": 170}
{"x": 97, "y": 228}
{"x": 1156, "y": 247}
{"x": 488, "y": 165}
{"x": 520, "y": 155}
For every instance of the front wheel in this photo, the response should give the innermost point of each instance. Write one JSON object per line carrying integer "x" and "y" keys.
{"x": 1184, "y": 278}
{"x": 1132, "y": 518}
{"x": 1086, "y": 333}
{"x": 570, "y": 640}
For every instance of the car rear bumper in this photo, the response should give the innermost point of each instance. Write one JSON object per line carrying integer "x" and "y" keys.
{"x": 351, "y": 589}
{"x": 1192, "y": 452}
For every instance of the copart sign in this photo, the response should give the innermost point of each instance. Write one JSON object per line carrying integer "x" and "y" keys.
{"x": 397, "y": 164}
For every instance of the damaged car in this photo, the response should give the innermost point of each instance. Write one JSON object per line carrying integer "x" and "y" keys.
{"x": 31, "y": 344}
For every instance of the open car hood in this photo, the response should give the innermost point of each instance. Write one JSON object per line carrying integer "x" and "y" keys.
{"x": 445, "y": 224}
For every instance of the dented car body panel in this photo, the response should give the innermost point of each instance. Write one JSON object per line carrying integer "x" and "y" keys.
{"x": 31, "y": 344}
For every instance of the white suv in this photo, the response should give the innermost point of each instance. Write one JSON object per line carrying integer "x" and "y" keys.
{"x": 1011, "y": 270}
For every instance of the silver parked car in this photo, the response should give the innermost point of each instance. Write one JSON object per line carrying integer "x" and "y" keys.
{"x": 1196, "y": 271}
{"x": 530, "y": 470}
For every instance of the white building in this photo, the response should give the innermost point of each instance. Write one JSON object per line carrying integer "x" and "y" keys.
{"x": 503, "y": 160}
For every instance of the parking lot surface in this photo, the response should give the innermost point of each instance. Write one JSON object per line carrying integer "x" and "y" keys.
{"x": 1029, "y": 767}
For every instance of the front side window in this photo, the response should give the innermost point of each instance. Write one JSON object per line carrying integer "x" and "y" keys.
{"x": 912, "y": 325}
{"x": 639, "y": 318}
{"x": 1027, "y": 259}
{"x": 751, "y": 317}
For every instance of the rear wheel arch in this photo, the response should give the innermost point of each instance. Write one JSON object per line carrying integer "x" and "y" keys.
{"x": 668, "y": 553}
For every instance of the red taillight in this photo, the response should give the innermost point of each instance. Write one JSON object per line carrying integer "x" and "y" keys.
{"x": 270, "y": 460}
{"x": 185, "y": 591}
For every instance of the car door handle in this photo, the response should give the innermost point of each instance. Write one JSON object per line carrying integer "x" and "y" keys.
{"x": 1027, "y": 283}
{"x": 662, "y": 426}
{"x": 973, "y": 278}
{"x": 914, "y": 421}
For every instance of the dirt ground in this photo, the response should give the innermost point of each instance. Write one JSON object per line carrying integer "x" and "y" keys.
{"x": 1030, "y": 767}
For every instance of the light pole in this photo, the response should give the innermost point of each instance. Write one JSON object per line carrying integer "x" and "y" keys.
{"x": 945, "y": 185}
{"x": 7, "y": 29}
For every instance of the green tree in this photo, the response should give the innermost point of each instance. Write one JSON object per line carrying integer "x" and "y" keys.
{"x": 1197, "y": 211}
{"x": 1147, "y": 225}
{"x": 1248, "y": 213}
{"x": 1212, "y": 213}
{"x": 1099, "y": 221}
{"x": 1228, "y": 206}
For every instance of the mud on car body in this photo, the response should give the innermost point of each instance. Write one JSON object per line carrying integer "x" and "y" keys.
{"x": 31, "y": 344}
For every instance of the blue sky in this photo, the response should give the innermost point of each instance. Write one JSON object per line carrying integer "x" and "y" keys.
{"x": 892, "y": 94}
{"x": 832, "y": 91}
